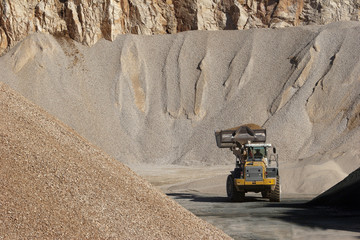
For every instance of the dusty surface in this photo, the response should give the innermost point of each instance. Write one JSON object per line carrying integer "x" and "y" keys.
{"x": 56, "y": 185}
{"x": 202, "y": 191}
{"x": 259, "y": 219}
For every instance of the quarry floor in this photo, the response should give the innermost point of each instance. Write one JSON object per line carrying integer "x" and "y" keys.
{"x": 201, "y": 190}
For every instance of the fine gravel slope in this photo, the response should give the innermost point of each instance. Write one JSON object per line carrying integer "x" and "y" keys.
{"x": 56, "y": 185}
{"x": 158, "y": 99}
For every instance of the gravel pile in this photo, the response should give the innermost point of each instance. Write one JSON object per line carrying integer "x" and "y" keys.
{"x": 158, "y": 99}
{"x": 345, "y": 194}
{"x": 56, "y": 185}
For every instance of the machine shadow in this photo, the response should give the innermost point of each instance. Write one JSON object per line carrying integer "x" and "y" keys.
{"x": 319, "y": 217}
{"x": 211, "y": 199}
{"x": 197, "y": 198}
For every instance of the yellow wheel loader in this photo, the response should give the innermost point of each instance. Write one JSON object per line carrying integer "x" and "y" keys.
{"x": 256, "y": 166}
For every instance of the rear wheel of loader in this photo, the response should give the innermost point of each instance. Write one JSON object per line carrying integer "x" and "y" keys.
{"x": 274, "y": 195}
{"x": 232, "y": 193}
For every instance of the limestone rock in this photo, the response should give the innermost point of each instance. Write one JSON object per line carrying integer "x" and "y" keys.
{"x": 73, "y": 22}
{"x": 186, "y": 15}
{"x": 88, "y": 21}
{"x": 3, "y": 40}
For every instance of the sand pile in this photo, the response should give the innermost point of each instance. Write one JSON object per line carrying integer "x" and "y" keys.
{"x": 54, "y": 184}
{"x": 158, "y": 99}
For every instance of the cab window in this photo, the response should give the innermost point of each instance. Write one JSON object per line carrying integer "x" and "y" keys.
{"x": 256, "y": 153}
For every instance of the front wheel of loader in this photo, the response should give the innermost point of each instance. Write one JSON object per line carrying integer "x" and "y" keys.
{"x": 275, "y": 194}
{"x": 232, "y": 193}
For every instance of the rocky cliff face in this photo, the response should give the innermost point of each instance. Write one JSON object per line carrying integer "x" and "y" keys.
{"x": 88, "y": 21}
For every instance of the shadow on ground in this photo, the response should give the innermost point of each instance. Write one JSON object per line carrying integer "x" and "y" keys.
{"x": 290, "y": 211}
{"x": 319, "y": 217}
{"x": 209, "y": 199}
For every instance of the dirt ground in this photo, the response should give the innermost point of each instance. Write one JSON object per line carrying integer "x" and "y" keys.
{"x": 202, "y": 191}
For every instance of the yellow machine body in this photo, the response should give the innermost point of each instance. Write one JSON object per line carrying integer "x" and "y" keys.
{"x": 242, "y": 184}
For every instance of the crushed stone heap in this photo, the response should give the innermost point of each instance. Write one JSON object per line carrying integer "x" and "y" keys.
{"x": 55, "y": 184}
{"x": 345, "y": 194}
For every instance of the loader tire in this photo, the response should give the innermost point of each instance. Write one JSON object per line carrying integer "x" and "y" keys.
{"x": 233, "y": 194}
{"x": 275, "y": 194}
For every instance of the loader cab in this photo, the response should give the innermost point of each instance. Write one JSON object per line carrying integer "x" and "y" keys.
{"x": 256, "y": 153}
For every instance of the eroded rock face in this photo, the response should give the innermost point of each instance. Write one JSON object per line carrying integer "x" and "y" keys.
{"x": 3, "y": 40}
{"x": 88, "y": 21}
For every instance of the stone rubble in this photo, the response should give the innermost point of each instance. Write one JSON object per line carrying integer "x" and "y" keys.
{"x": 56, "y": 185}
